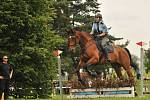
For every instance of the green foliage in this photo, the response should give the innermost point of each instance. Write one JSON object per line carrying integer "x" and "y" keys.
{"x": 28, "y": 39}
{"x": 71, "y": 12}
{"x": 147, "y": 60}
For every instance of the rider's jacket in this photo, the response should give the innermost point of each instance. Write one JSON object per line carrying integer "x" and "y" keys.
{"x": 99, "y": 27}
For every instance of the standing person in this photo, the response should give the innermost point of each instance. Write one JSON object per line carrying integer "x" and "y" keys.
{"x": 100, "y": 33}
{"x": 6, "y": 72}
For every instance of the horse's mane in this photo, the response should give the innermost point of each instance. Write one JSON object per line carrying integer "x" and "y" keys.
{"x": 86, "y": 34}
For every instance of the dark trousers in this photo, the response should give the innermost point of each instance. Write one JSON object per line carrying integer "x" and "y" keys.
{"x": 102, "y": 43}
{"x": 4, "y": 87}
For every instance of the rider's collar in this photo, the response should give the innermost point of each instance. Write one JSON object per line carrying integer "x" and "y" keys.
{"x": 101, "y": 22}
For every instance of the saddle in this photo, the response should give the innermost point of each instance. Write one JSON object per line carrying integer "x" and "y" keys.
{"x": 109, "y": 48}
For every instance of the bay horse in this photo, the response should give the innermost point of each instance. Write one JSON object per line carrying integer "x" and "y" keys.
{"x": 90, "y": 54}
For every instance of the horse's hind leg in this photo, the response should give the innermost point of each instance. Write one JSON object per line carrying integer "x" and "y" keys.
{"x": 129, "y": 73}
{"x": 127, "y": 68}
{"x": 117, "y": 68}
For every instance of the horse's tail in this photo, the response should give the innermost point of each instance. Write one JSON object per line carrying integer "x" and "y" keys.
{"x": 134, "y": 65}
{"x": 127, "y": 50}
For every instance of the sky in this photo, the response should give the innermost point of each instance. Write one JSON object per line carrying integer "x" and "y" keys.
{"x": 129, "y": 19}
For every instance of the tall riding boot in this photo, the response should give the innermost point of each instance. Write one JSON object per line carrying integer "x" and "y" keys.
{"x": 106, "y": 54}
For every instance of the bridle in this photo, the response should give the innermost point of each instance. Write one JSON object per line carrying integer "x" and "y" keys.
{"x": 74, "y": 41}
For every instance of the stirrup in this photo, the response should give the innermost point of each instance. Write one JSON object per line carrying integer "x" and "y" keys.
{"x": 108, "y": 60}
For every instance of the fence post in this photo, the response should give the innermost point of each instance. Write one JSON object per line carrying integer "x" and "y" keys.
{"x": 57, "y": 54}
{"x": 141, "y": 67}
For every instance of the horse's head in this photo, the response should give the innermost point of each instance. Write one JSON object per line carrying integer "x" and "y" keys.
{"x": 71, "y": 43}
{"x": 73, "y": 39}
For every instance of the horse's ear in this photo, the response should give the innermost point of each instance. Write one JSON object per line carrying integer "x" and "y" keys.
{"x": 67, "y": 31}
{"x": 70, "y": 31}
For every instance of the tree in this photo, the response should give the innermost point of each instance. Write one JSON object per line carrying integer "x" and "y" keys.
{"x": 147, "y": 60}
{"x": 28, "y": 39}
{"x": 70, "y": 12}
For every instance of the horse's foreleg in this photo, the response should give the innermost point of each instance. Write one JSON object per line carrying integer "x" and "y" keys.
{"x": 90, "y": 63}
{"x": 80, "y": 65}
{"x": 78, "y": 75}
{"x": 79, "y": 78}
{"x": 87, "y": 64}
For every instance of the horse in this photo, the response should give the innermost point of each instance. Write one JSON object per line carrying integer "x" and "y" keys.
{"x": 90, "y": 54}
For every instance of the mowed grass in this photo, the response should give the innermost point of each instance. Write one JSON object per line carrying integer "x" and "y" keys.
{"x": 144, "y": 97}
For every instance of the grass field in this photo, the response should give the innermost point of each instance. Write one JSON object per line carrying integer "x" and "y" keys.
{"x": 144, "y": 97}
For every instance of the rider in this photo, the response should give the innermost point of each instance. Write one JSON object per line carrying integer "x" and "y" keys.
{"x": 100, "y": 33}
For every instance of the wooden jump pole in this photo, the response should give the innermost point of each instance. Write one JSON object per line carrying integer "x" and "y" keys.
{"x": 141, "y": 44}
{"x": 141, "y": 62}
{"x": 57, "y": 54}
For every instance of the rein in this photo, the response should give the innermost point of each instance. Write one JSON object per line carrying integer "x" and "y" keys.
{"x": 87, "y": 45}
{"x": 84, "y": 47}
{"x": 74, "y": 44}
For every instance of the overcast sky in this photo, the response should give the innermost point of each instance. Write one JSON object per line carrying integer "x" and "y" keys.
{"x": 129, "y": 19}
